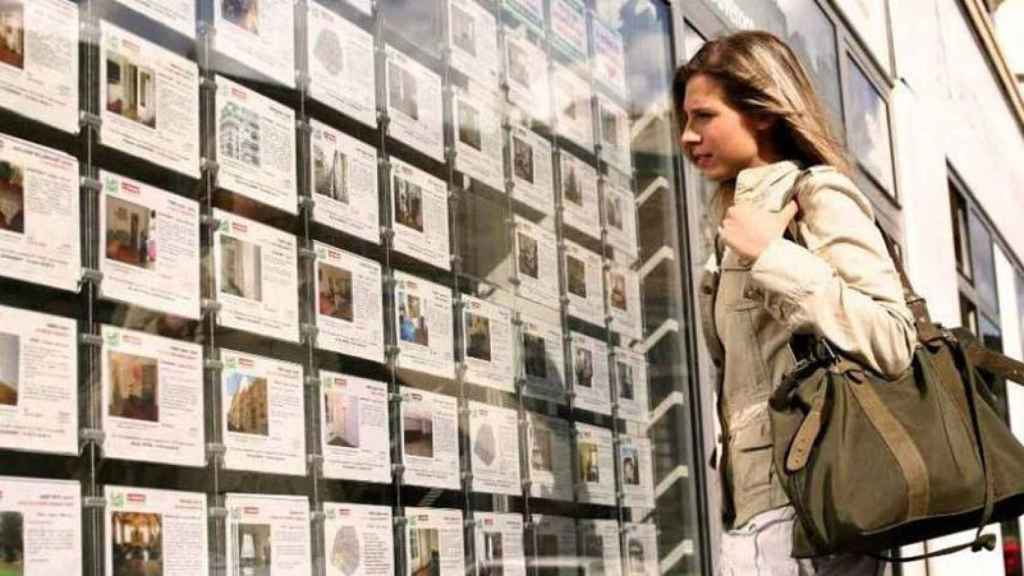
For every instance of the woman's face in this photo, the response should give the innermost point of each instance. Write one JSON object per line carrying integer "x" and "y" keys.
{"x": 717, "y": 138}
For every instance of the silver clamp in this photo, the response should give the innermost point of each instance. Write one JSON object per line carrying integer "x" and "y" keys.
{"x": 209, "y": 221}
{"x": 92, "y": 436}
{"x": 213, "y": 364}
{"x": 89, "y": 120}
{"x": 91, "y": 276}
{"x": 311, "y": 382}
{"x": 208, "y": 84}
{"x": 215, "y": 451}
{"x": 90, "y": 184}
{"x": 94, "y": 340}
{"x": 94, "y": 502}
{"x": 217, "y": 512}
{"x": 307, "y": 253}
{"x": 210, "y": 305}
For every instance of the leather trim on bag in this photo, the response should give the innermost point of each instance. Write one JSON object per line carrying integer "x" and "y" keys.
{"x": 898, "y": 440}
{"x": 800, "y": 449}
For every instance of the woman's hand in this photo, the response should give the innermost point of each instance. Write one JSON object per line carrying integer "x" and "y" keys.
{"x": 748, "y": 229}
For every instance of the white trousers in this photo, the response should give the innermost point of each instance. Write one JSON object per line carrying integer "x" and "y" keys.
{"x": 762, "y": 547}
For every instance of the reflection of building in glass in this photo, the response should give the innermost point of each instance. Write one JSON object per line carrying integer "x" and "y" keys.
{"x": 239, "y": 130}
{"x": 248, "y": 411}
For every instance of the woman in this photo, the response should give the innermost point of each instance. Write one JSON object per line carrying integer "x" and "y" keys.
{"x": 751, "y": 122}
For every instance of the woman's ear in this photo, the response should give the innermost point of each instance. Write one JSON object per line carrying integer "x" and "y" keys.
{"x": 764, "y": 122}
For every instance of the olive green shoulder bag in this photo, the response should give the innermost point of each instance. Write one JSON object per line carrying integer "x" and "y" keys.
{"x": 872, "y": 464}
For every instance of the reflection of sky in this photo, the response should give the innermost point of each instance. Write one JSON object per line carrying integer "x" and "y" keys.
{"x": 869, "y": 127}
{"x": 812, "y": 37}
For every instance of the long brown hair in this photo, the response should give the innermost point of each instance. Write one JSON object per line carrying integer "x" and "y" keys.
{"x": 762, "y": 77}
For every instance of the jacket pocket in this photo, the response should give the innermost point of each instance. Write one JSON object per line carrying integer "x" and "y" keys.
{"x": 752, "y": 455}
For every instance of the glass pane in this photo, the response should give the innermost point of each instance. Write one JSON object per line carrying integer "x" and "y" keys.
{"x": 868, "y": 127}
{"x": 983, "y": 263}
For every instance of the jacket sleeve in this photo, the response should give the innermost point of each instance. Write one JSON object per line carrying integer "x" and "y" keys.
{"x": 842, "y": 284}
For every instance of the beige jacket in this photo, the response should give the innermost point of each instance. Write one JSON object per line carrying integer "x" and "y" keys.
{"x": 842, "y": 286}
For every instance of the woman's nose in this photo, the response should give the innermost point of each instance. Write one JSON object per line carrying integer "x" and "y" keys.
{"x": 688, "y": 136}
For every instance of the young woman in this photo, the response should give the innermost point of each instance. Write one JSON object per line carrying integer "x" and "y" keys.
{"x": 751, "y": 122}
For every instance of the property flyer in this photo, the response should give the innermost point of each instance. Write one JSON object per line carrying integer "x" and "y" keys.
{"x": 260, "y": 35}
{"x": 178, "y": 15}
{"x": 155, "y": 532}
{"x": 344, "y": 182}
{"x": 580, "y": 204}
{"x": 569, "y": 28}
{"x": 414, "y": 104}
{"x": 340, "y": 56}
{"x": 532, "y": 169}
{"x": 359, "y": 540}
{"x": 489, "y": 353}
{"x": 39, "y": 219}
{"x": 256, "y": 275}
{"x": 614, "y": 134}
{"x": 434, "y": 542}
{"x": 600, "y": 542}
{"x": 354, "y": 428}
{"x": 554, "y": 543}
{"x": 152, "y": 398}
{"x": 46, "y": 515}
{"x": 420, "y": 215}
{"x": 573, "y": 107}
{"x": 624, "y": 300}
{"x": 596, "y": 465}
{"x": 620, "y": 218}
{"x": 549, "y": 453}
{"x": 536, "y": 261}
{"x": 268, "y": 535}
{"x": 423, "y": 324}
{"x": 350, "y": 303}
{"x": 609, "y": 58}
{"x": 494, "y": 441}
{"x": 473, "y": 40}
{"x": 543, "y": 356}
{"x": 499, "y": 544}
{"x": 430, "y": 439}
{"x": 526, "y": 73}
{"x": 479, "y": 135}
{"x": 38, "y": 382}
{"x": 529, "y": 11}
{"x": 637, "y": 471}
{"x": 641, "y": 549}
{"x": 590, "y": 381}
{"x": 583, "y": 281}
{"x": 631, "y": 385}
{"x": 149, "y": 255}
{"x": 256, "y": 146}
{"x": 262, "y": 422}
{"x": 149, "y": 101}
{"x": 39, "y": 64}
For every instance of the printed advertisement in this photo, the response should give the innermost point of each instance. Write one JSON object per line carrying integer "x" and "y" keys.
{"x": 573, "y": 106}
{"x": 631, "y": 383}
{"x": 569, "y": 28}
{"x": 614, "y": 134}
{"x": 596, "y": 465}
{"x": 350, "y": 303}
{"x": 543, "y": 356}
{"x": 620, "y": 218}
{"x": 582, "y": 209}
{"x": 359, "y": 540}
{"x": 554, "y": 542}
{"x": 260, "y": 34}
{"x": 423, "y": 318}
{"x": 38, "y": 382}
{"x": 624, "y": 301}
{"x": 39, "y": 61}
{"x": 434, "y": 542}
{"x": 532, "y": 169}
{"x": 343, "y": 173}
{"x": 600, "y": 543}
{"x": 40, "y": 526}
{"x": 609, "y": 59}
{"x": 590, "y": 374}
{"x": 529, "y": 11}
{"x": 473, "y": 40}
{"x": 536, "y": 261}
{"x": 499, "y": 544}
{"x": 256, "y": 277}
{"x": 489, "y": 351}
{"x": 178, "y": 15}
{"x": 414, "y": 104}
{"x": 641, "y": 549}
{"x": 39, "y": 220}
{"x": 149, "y": 101}
{"x": 637, "y": 472}
{"x": 340, "y": 56}
{"x": 268, "y": 535}
{"x": 430, "y": 439}
{"x": 262, "y": 400}
{"x": 526, "y": 72}
{"x": 549, "y": 454}
{"x": 583, "y": 283}
{"x": 256, "y": 146}
{"x": 420, "y": 215}
{"x": 478, "y": 142}
{"x": 149, "y": 255}
{"x": 155, "y": 532}
{"x": 494, "y": 440}
{"x": 152, "y": 398}
{"x": 354, "y": 426}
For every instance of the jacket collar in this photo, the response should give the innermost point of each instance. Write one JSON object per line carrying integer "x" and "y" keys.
{"x": 751, "y": 183}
